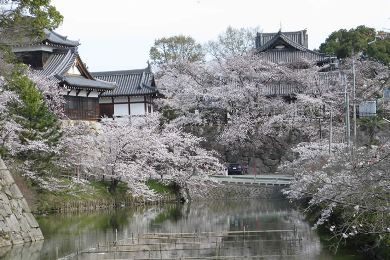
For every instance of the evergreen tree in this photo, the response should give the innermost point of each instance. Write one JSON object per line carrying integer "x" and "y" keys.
{"x": 22, "y": 19}
{"x": 361, "y": 39}
{"x": 41, "y": 130}
{"x": 33, "y": 113}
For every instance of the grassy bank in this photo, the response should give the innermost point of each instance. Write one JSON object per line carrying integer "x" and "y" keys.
{"x": 86, "y": 195}
{"x": 94, "y": 192}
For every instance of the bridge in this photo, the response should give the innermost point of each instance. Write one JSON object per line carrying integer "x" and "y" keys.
{"x": 272, "y": 180}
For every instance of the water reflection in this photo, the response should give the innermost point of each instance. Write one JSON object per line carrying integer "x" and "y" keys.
{"x": 22, "y": 252}
{"x": 204, "y": 230}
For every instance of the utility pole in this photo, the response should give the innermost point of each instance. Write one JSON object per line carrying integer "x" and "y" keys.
{"x": 347, "y": 113}
{"x": 330, "y": 129}
{"x": 354, "y": 101}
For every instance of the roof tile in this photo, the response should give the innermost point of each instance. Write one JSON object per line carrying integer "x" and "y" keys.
{"x": 129, "y": 82}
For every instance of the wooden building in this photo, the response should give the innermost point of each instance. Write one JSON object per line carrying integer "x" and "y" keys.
{"x": 133, "y": 96}
{"x": 290, "y": 47}
{"x": 56, "y": 58}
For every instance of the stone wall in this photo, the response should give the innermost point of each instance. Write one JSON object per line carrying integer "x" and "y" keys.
{"x": 261, "y": 154}
{"x": 237, "y": 191}
{"x": 17, "y": 224}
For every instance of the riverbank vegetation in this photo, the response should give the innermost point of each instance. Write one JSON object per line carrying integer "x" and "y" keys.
{"x": 214, "y": 110}
{"x": 348, "y": 193}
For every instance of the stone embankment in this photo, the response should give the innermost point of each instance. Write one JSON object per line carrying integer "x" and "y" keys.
{"x": 17, "y": 224}
{"x": 236, "y": 191}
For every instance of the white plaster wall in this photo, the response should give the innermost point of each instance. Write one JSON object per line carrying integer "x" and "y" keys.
{"x": 121, "y": 109}
{"x": 137, "y": 109}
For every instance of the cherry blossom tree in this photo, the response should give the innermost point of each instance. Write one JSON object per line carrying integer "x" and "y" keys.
{"x": 352, "y": 188}
{"x": 51, "y": 92}
{"x": 79, "y": 149}
{"x": 370, "y": 77}
{"x": 134, "y": 150}
{"x": 9, "y": 129}
{"x": 141, "y": 149}
{"x": 241, "y": 90}
{"x": 351, "y": 191}
{"x": 348, "y": 190}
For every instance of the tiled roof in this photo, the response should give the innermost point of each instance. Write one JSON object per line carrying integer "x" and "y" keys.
{"x": 62, "y": 56}
{"x": 81, "y": 82}
{"x": 58, "y": 64}
{"x": 56, "y": 38}
{"x": 297, "y": 36}
{"x": 281, "y": 36}
{"x": 286, "y": 54}
{"x": 129, "y": 82}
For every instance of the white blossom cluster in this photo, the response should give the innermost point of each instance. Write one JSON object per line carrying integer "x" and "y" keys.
{"x": 136, "y": 150}
{"x": 356, "y": 186}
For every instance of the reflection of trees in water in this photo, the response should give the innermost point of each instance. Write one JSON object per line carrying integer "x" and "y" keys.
{"x": 81, "y": 231}
{"x": 220, "y": 216}
{"x": 67, "y": 233}
{"x": 173, "y": 214}
{"x": 295, "y": 236}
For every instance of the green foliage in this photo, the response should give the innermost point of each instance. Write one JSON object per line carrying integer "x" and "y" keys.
{"x": 371, "y": 125}
{"x": 380, "y": 50}
{"x": 169, "y": 113}
{"x": 56, "y": 225}
{"x": 92, "y": 191}
{"x": 39, "y": 123}
{"x": 343, "y": 42}
{"x": 176, "y": 48}
{"x": 41, "y": 129}
{"x": 26, "y": 18}
{"x": 173, "y": 213}
{"x": 159, "y": 187}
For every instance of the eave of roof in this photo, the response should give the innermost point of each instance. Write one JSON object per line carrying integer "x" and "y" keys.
{"x": 78, "y": 81}
{"x": 118, "y": 72}
{"x": 56, "y": 38}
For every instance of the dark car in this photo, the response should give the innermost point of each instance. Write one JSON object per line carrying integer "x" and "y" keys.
{"x": 235, "y": 169}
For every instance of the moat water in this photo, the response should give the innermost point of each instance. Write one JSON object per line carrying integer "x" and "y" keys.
{"x": 221, "y": 229}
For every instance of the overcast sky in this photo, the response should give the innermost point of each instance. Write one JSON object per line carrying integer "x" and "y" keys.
{"x": 117, "y": 34}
